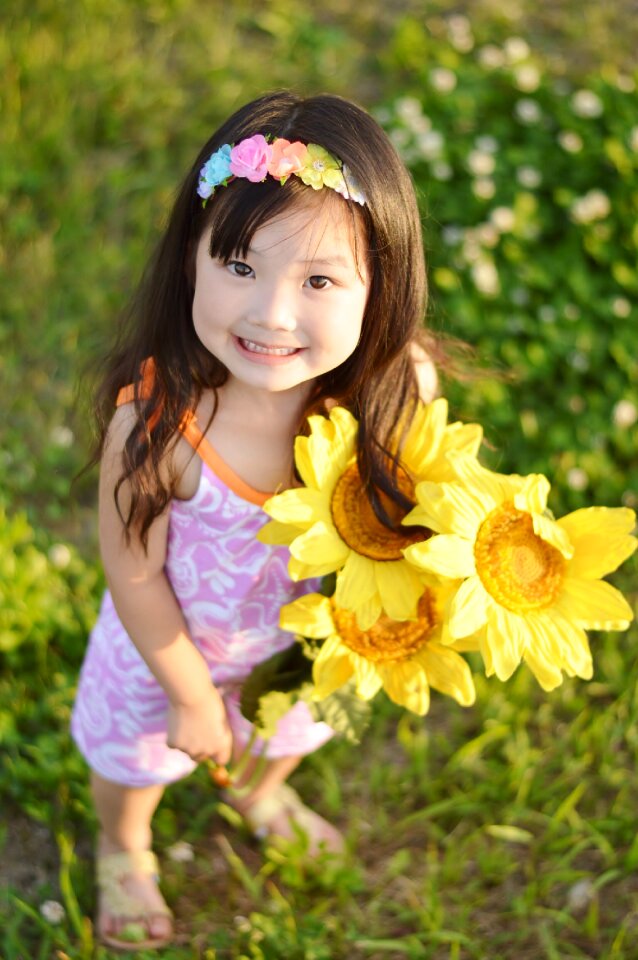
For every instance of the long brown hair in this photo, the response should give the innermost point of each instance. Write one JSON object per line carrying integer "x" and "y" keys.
{"x": 377, "y": 382}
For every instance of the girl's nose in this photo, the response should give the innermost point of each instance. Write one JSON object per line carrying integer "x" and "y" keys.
{"x": 274, "y": 310}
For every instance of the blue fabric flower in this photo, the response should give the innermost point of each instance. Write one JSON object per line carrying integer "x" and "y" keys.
{"x": 215, "y": 171}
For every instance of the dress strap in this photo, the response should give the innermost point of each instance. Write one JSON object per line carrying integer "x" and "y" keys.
{"x": 192, "y": 432}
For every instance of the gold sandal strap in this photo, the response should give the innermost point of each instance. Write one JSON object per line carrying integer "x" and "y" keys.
{"x": 111, "y": 868}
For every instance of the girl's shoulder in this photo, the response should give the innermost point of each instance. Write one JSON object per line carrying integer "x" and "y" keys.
{"x": 425, "y": 371}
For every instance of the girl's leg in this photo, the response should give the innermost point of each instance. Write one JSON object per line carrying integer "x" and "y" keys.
{"x": 279, "y": 817}
{"x": 125, "y": 815}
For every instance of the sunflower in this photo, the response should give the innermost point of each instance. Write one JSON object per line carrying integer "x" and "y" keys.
{"x": 329, "y": 523}
{"x": 406, "y": 659}
{"x": 531, "y": 584}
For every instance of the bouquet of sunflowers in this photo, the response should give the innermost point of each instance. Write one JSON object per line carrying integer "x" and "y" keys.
{"x": 479, "y": 564}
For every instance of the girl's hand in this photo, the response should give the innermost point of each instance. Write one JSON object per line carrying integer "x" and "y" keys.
{"x": 201, "y": 729}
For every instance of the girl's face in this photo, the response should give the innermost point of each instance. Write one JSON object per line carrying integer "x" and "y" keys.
{"x": 292, "y": 308}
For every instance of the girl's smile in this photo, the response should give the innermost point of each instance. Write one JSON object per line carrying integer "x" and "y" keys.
{"x": 292, "y": 308}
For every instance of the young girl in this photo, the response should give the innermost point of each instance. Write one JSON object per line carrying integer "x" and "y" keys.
{"x": 290, "y": 277}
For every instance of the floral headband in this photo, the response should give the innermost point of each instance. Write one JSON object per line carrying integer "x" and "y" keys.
{"x": 256, "y": 158}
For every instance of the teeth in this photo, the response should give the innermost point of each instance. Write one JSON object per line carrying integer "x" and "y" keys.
{"x": 274, "y": 351}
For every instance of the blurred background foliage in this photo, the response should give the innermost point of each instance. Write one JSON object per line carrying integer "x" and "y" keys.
{"x": 519, "y": 123}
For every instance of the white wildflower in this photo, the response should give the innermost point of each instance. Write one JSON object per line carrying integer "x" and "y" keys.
{"x": 527, "y": 78}
{"x": 586, "y": 103}
{"x": 520, "y": 296}
{"x": 431, "y": 144}
{"x": 52, "y": 911}
{"x": 60, "y": 555}
{"x": 529, "y": 177}
{"x": 570, "y": 142}
{"x": 460, "y": 33}
{"x": 577, "y": 479}
{"x": 408, "y": 107}
{"x": 629, "y": 499}
{"x": 576, "y": 403}
{"x": 571, "y": 311}
{"x": 594, "y": 205}
{"x": 487, "y": 234}
{"x": 633, "y": 139}
{"x": 624, "y": 414}
{"x": 484, "y": 188}
{"x": 480, "y": 164}
{"x": 442, "y": 79}
{"x": 516, "y": 49}
{"x": 503, "y": 218}
{"x": 62, "y": 436}
{"x": 181, "y": 852}
{"x": 491, "y": 57}
{"x": 452, "y": 235}
{"x": 547, "y": 313}
{"x": 579, "y": 361}
{"x": 527, "y": 110}
{"x": 486, "y": 143}
{"x": 471, "y": 246}
{"x": 485, "y": 277}
{"x": 400, "y": 137}
{"x": 441, "y": 171}
{"x": 580, "y": 895}
{"x": 625, "y": 83}
{"x": 621, "y": 307}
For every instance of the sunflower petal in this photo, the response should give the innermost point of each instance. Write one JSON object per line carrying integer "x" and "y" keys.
{"x": 369, "y": 612}
{"x": 464, "y": 438}
{"x": 447, "y": 672}
{"x": 320, "y": 546}
{"x": 406, "y": 683}
{"x": 356, "y": 583}
{"x": 310, "y": 615}
{"x": 302, "y": 571}
{"x": 367, "y": 677}
{"x": 421, "y": 447}
{"x": 451, "y": 508}
{"x": 278, "y": 534}
{"x": 299, "y": 506}
{"x": 593, "y": 605}
{"x": 566, "y": 642}
{"x": 601, "y": 541}
{"x": 507, "y": 638}
{"x": 549, "y": 531}
{"x": 488, "y": 487}
{"x": 400, "y": 588}
{"x": 332, "y": 668}
{"x": 533, "y": 497}
{"x": 468, "y": 610}
{"x": 446, "y": 555}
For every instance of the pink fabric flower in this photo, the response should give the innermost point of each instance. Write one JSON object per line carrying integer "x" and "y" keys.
{"x": 250, "y": 158}
{"x": 286, "y": 158}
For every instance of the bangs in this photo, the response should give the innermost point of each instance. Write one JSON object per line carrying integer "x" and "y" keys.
{"x": 238, "y": 211}
{"x": 242, "y": 208}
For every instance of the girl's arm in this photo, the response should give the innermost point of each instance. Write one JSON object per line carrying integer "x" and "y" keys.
{"x": 151, "y": 615}
{"x": 426, "y": 374}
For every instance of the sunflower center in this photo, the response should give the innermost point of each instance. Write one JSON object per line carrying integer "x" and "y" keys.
{"x": 389, "y": 639}
{"x": 516, "y": 567}
{"x": 358, "y": 525}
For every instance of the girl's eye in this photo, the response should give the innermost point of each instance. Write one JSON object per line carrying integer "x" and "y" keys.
{"x": 319, "y": 283}
{"x": 239, "y": 269}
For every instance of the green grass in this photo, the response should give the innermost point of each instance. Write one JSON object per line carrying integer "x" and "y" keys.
{"x": 507, "y": 830}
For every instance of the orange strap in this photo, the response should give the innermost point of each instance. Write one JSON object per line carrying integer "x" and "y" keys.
{"x": 193, "y": 434}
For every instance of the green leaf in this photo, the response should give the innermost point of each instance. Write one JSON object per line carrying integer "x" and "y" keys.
{"x": 344, "y": 711}
{"x": 284, "y": 672}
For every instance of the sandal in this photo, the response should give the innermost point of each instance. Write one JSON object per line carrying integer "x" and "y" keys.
{"x": 283, "y": 799}
{"x": 112, "y": 869}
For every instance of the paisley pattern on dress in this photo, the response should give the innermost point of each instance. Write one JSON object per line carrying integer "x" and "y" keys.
{"x": 230, "y": 588}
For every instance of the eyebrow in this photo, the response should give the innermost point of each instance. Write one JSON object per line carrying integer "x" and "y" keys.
{"x": 336, "y": 261}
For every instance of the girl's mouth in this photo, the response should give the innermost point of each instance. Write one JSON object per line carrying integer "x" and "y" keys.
{"x": 263, "y": 353}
